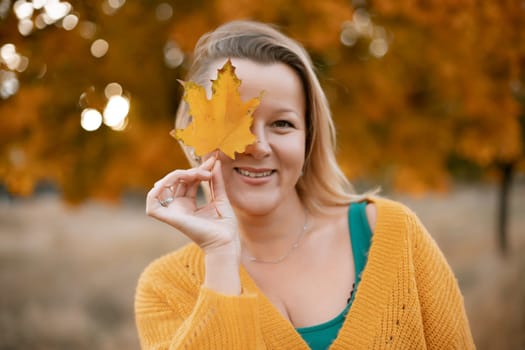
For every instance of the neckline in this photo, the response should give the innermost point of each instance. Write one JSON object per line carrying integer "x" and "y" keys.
{"x": 357, "y": 279}
{"x": 380, "y": 271}
{"x": 327, "y": 324}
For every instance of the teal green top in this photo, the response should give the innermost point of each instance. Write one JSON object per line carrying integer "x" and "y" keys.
{"x": 321, "y": 336}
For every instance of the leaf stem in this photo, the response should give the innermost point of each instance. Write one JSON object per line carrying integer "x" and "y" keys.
{"x": 212, "y": 191}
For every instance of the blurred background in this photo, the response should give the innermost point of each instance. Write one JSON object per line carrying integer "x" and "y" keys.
{"x": 428, "y": 98}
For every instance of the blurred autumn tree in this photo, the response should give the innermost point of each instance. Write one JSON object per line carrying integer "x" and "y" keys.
{"x": 420, "y": 90}
{"x": 449, "y": 93}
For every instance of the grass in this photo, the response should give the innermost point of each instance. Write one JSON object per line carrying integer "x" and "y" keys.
{"x": 68, "y": 275}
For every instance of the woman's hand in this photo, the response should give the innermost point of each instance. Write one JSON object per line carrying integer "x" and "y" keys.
{"x": 213, "y": 233}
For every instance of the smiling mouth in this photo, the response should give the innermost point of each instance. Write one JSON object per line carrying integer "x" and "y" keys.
{"x": 254, "y": 174}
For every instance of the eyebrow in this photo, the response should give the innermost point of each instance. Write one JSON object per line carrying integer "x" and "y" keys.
{"x": 285, "y": 110}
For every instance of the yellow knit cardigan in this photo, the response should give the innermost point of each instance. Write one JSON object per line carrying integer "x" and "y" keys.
{"x": 408, "y": 298}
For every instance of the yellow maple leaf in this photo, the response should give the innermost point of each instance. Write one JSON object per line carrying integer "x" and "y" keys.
{"x": 224, "y": 121}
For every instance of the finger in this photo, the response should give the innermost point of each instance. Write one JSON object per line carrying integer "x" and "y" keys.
{"x": 187, "y": 176}
{"x": 182, "y": 174}
{"x": 159, "y": 196}
{"x": 166, "y": 192}
{"x": 208, "y": 163}
{"x": 180, "y": 189}
{"x": 192, "y": 190}
{"x": 218, "y": 181}
{"x": 152, "y": 201}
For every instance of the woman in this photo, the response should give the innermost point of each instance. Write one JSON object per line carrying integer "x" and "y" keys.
{"x": 294, "y": 261}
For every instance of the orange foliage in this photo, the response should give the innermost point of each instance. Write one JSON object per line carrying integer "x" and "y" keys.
{"x": 452, "y": 83}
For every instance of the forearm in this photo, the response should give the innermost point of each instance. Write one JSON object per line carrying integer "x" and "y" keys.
{"x": 213, "y": 321}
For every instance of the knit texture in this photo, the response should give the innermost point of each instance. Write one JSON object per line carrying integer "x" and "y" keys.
{"x": 408, "y": 298}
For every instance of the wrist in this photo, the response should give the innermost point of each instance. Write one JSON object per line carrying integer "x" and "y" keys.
{"x": 223, "y": 256}
{"x": 224, "y": 249}
{"x": 222, "y": 272}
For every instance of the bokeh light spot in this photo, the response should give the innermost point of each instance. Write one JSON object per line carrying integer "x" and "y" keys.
{"x": 7, "y": 51}
{"x": 38, "y": 4}
{"x": 362, "y": 27}
{"x": 40, "y": 21}
{"x": 23, "y": 63}
{"x": 116, "y": 111}
{"x": 108, "y": 10}
{"x": 13, "y": 60}
{"x": 23, "y": 9}
{"x": 70, "y": 22}
{"x": 9, "y": 84}
{"x": 87, "y": 29}
{"x": 173, "y": 55}
{"x": 57, "y": 10}
{"x": 362, "y": 20}
{"x": 48, "y": 19}
{"x": 378, "y": 47}
{"x": 99, "y": 48}
{"x": 164, "y": 11}
{"x": 25, "y": 26}
{"x": 121, "y": 126}
{"x": 349, "y": 35}
{"x": 90, "y": 119}
{"x": 116, "y": 4}
{"x": 113, "y": 89}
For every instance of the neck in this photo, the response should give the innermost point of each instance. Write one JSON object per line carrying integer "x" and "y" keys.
{"x": 272, "y": 234}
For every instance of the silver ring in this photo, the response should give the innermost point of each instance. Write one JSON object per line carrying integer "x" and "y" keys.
{"x": 166, "y": 202}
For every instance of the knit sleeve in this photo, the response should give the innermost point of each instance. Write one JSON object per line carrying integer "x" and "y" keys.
{"x": 444, "y": 319}
{"x": 169, "y": 316}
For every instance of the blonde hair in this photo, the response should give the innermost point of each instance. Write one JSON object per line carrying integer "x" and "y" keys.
{"x": 323, "y": 184}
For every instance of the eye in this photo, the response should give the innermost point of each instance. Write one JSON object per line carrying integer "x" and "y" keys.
{"x": 283, "y": 124}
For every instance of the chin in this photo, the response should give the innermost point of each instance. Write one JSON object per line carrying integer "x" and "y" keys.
{"x": 256, "y": 204}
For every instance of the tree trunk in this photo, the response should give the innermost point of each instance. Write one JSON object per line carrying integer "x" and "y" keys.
{"x": 507, "y": 172}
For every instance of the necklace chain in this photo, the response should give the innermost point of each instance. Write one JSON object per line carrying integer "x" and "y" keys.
{"x": 294, "y": 246}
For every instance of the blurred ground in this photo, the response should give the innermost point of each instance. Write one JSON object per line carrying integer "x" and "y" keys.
{"x": 68, "y": 275}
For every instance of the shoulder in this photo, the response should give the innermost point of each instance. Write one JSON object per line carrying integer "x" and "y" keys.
{"x": 380, "y": 210}
{"x": 383, "y": 213}
{"x": 400, "y": 224}
{"x": 381, "y": 205}
{"x": 373, "y": 202}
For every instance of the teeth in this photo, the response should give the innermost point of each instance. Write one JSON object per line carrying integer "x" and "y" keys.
{"x": 251, "y": 174}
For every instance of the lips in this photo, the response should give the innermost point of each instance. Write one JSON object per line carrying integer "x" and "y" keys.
{"x": 254, "y": 173}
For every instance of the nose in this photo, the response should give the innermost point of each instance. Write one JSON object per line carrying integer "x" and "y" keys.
{"x": 260, "y": 148}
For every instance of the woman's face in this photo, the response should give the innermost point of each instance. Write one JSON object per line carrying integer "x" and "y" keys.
{"x": 263, "y": 178}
